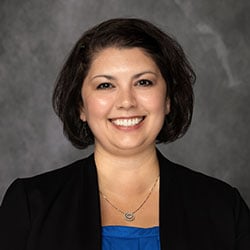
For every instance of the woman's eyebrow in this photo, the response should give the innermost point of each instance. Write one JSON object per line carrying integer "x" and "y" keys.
{"x": 110, "y": 77}
{"x": 143, "y": 73}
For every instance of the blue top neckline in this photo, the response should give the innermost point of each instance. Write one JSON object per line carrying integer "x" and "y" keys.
{"x": 130, "y": 231}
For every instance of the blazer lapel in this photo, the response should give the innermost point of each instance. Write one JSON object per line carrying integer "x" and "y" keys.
{"x": 90, "y": 207}
{"x": 172, "y": 215}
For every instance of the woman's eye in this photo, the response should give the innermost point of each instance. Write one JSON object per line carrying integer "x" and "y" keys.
{"x": 144, "y": 82}
{"x": 105, "y": 85}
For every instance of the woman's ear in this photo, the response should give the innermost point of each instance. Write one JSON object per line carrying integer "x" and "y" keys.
{"x": 168, "y": 108}
{"x": 82, "y": 113}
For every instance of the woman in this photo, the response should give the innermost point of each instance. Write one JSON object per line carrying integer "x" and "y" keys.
{"x": 125, "y": 87}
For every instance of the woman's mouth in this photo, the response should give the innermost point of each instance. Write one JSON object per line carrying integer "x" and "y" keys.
{"x": 127, "y": 122}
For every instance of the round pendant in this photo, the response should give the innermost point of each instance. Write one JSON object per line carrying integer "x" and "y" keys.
{"x": 129, "y": 216}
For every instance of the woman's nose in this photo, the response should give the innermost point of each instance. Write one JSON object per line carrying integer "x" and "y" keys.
{"x": 126, "y": 99}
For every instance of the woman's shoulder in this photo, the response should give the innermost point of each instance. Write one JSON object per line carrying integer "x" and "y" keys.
{"x": 50, "y": 183}
{"x": 62, "y": 173}
{"x": 194, "y": 184}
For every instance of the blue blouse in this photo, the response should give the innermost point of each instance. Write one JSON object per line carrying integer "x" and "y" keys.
{"x": 132, "y": 238}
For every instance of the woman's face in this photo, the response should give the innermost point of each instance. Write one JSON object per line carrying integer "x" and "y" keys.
{"x": 124, "y": 100}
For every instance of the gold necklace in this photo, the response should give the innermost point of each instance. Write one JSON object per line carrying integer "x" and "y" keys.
{"x": 130, "y": 216}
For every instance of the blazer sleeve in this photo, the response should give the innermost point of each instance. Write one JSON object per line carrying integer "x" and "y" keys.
{"x": 14, "y": 218}
{"x": 242, "y": 218}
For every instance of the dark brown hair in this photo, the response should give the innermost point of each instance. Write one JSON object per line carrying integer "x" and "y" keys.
{"x": 125, "y": 33}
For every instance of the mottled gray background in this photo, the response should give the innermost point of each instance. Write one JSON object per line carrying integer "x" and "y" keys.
{"x": 36, "y": 36}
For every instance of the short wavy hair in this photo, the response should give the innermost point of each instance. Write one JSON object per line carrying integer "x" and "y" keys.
{"x": 125, "y": 33}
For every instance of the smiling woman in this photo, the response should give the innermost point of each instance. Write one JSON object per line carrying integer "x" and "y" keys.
{"x": 125, "y": 87}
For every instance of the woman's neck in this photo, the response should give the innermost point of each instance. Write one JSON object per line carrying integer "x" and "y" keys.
{"x": 129, "y": 174}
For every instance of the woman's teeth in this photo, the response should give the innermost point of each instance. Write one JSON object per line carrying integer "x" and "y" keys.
{"x": 127, "y": 122}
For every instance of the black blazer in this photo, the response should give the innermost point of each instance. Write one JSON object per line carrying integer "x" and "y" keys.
{"x": 60, "y": 210}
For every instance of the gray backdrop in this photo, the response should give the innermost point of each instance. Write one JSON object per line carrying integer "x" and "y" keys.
{"x": 36, "y": 36}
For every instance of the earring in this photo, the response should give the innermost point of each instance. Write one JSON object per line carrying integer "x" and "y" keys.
{"x": 84, "y": 129}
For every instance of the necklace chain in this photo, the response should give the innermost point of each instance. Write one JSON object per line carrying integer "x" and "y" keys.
{"x": 130, "y": 216}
